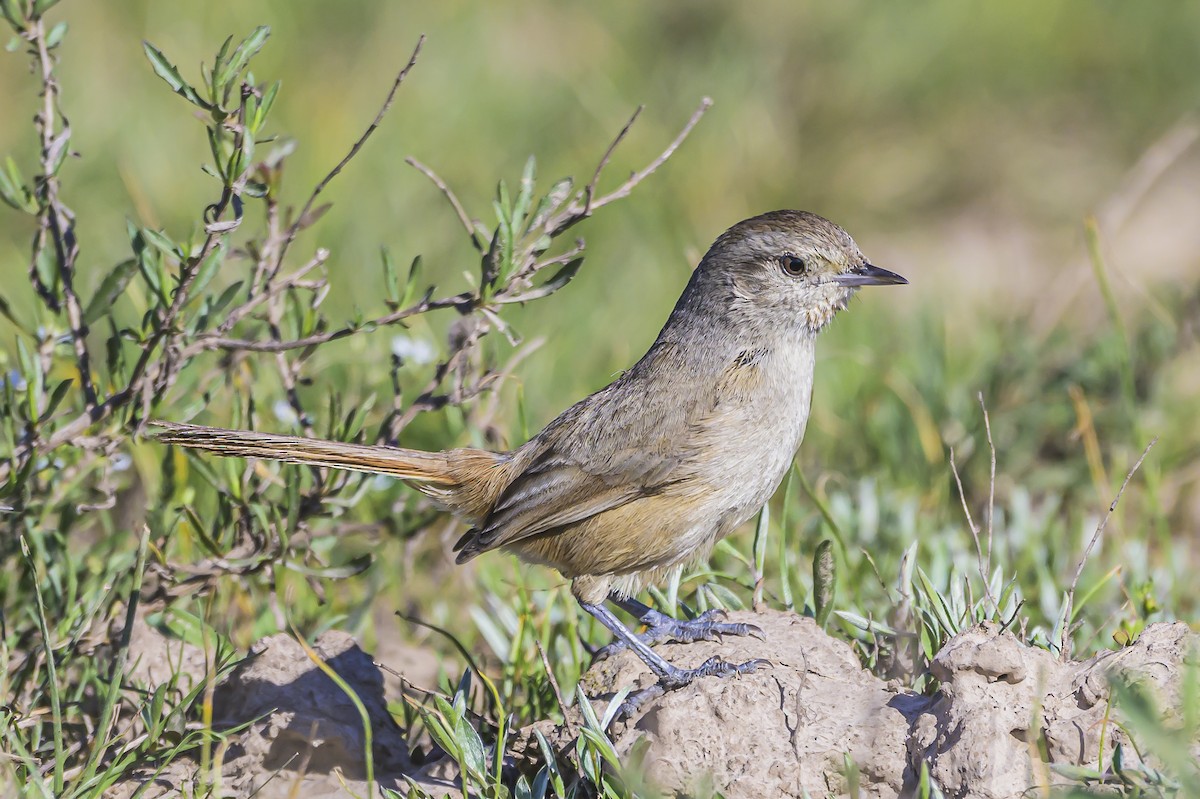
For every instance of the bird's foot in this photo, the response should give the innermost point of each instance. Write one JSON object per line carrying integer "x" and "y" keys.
{"x": 677, "y": 678}
{"x": 705, "y": 627}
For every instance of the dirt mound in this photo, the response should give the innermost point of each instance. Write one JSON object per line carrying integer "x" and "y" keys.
{"x": 780, "y": 731}
{"x": 789, "y": 730}
{"x": 305, "y": 736}
{"x": 795, "y": 728}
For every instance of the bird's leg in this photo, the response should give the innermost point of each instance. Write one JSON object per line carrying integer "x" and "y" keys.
{"x": 669, "y": 677}
{"x": 661, "y": 627}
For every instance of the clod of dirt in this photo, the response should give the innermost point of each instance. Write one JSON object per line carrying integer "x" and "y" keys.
{"x": 154, "y": 658}
{"x": 304, "y": 718}
{"x": 999, "y": 699}
{"x": 305, "y": 735}
{"x": 784, "y": 730}
{"x": 793, "y": 728}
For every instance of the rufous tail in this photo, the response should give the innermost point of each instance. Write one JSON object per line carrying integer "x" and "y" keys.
{"x": 406, "y": 464}
{"x": 465, "y": 482}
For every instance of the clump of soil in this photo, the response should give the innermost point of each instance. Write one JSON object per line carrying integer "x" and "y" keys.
{"x": 304, "y": 736}
{"x": 787, "y": 730}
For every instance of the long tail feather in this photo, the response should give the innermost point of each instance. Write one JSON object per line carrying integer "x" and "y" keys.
{"x": 430, "y": 468}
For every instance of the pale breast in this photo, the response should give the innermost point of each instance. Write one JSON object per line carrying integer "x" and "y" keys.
{"x": 733, "y": 452}
{"x": 746, "y": 444}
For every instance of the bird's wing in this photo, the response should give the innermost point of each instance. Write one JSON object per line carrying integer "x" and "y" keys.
{"x": 615, "y": 447}
{"x": 557, "y": 491}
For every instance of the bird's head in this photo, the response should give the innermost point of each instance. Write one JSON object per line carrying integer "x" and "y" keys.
{"x": 789, "y": 267}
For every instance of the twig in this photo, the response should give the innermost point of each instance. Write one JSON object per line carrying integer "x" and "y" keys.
{"x": 294, "y": 228}
{"x": 562, "y": 706}
{"x": 55, "y": 218}
{"x": 966, "y": 508}
{"x": 637, "y": 177}
{"x": 223, "y": 343}
{"x": 987, "y": 425}
{"x": 237, "y": 314}
{"x": 444, "y": 188}
{"x": 583, "y": 207}
{"x": 1068, "y": 628}
{"x": 590, "y": 191}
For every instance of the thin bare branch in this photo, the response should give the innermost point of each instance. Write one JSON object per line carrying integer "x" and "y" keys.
{"x": 57, "y": 220}
{"x": 445, "y": 189}
{"x": 562, "y": 705}
{"x": 584, "y": 204}
{"x": 590, "y": 192}
{"x": 966, "y": 508}
{"x": 637, "y": 177}
{"x": 991, "y": 512}
{"x": 1068, "y": 628}
{"x": 294, "y": 280}
{"x": 294, "y": 228}
{"x": 222, "y": 343}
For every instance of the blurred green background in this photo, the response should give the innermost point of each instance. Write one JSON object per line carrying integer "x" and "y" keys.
{"x": 961, "y": 144}
{"x": 951, "y": 139}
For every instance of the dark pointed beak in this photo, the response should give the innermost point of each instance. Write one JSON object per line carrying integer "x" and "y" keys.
{"x": 869, "y": 275}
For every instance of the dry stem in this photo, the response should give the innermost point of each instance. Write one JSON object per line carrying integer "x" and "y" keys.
{"x": 1068, "y": 627}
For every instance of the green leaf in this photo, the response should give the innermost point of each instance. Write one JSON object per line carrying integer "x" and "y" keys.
{"x": 162, "y": 242}
{"x": 551, "y": 763}
{"x": 211, "y": 78}
{"x": 524, "y": 195}
{"x": 56, "y": 397}
{"x": 34, "y": 381}
{"x": 471, "y": 748}
{"x": 557, "y": 195}
{"x": 112, "y": 287}
{"x": 114, "y": 356}
{"x": 264, "y": 106}
{"x": 13, "y": 14}
{"x": 213, "y": 307}
{"x": 864, "y": 624}
{"x": 762, "y": 534}
{"x": 824, "y": 581}
{"x": 724, "y": 596}
{"x": 219, "y": 147}
{"x": 391, "y": 281}
{"x": 241, "y": 57}
{"x": 561, "y": 278}
{"x": 55, "y": 36}
{"x": 149, "y": 262}
{"x": 59, "y": 150}
{"x": 439, "y": 731}
{"x": 13, "y": 190}
{"x": 410, "y": 286}
{"x": 40, "y": 7}
{"x": 167, "y": 71}
{"x": 47, "y": 269}
{"x": 6, "y": 312}
{"x": 207, "y": 270}
{"x": 585, "y": 707}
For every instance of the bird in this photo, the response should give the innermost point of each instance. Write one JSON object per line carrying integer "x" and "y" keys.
{"x": 644, "y": 476}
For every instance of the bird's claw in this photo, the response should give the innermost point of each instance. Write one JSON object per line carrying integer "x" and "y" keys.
{"x": 713, "y": 667}
{"x": 678, "y": 678}
{"x": 705, "y": 627}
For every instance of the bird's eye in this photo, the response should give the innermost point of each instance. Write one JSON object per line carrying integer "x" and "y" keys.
{"x": 792, "y": 264}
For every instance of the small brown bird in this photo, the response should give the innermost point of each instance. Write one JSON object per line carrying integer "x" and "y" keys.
{"x": 647, "y": 474}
